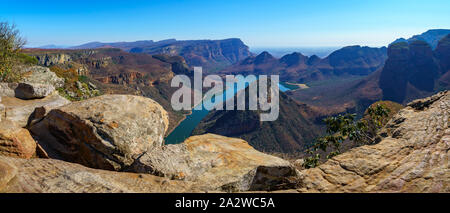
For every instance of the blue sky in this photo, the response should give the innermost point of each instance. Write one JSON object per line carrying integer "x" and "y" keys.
{"x": 259, "y": 23}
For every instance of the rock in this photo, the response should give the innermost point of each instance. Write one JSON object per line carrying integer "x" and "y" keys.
{"x": 41, "y": 75}
{"x": 19, "y": 111}
{"x": 7, "y": 172}
{"x": 412, "y": 157}
{"x": 299, "y": 163}
{"x": 105, "y": 132}
{"x": 31, "y": 91}
{"x": 15, "y": 141}
{"x": 54, "y": 176}
{"x": 7, "y": 89}
{"x": 218, "y": 163}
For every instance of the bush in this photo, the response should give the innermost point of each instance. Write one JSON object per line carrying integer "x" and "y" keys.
{"x": 344, "y": 127}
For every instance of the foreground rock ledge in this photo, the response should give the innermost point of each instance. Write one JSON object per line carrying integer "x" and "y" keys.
{"x": 54, "y": 176}
{"x": 412, "y": 157}
{"x": 224, "y": 164}
{"x": 106, "y": 132}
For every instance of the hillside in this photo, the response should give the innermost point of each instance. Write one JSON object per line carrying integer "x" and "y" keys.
{"x": 294, "y": 129}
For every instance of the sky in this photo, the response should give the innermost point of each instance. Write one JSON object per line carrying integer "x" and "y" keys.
{"x": 259, "y": 23}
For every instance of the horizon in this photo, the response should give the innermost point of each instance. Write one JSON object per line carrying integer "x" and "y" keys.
{"x": 268, "y": 23}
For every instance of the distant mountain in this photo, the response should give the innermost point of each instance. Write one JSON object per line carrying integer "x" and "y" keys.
{"x": 212, "y": 55}
{"x": 296, "y": 67}
{"x": 431, "y": 37}
{"x": 52, "y": 46}
{"x": 308, "y": 51}
{"x": 293, "y": 131}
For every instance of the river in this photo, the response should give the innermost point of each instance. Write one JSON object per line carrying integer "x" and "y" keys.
{"x": 185, "y": 128}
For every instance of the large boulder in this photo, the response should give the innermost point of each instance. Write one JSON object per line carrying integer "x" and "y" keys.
{"x": 105, "y": 132}
{"x": 32, "y": 91}
{"x": 40, "y": 75}
{"x": 15, "y": 141}
{"x": 55, "y": 176}
{"x": 218, "y": 163}
{"x": 19, "y": 110}
{"x": 413, "y": 155}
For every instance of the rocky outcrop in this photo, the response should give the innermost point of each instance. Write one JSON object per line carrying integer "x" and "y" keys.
{"x": 225, "y": 164}
{"x": 413, "y": 155}
{"x": 19, "y": 110}
{"x": 410, "y": 72}
{"x": 54, "y": 176}
{"x": 32, "y": 91}
{"x": 53, "y": 59}
{"x": 40, "y": 75}
{"x": 15, "y": 141}
{"x": 106, "y": 132}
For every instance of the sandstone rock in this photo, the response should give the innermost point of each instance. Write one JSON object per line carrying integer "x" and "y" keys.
{"x": 31, "y": 91}
{"x": 107, "y": 132}
{"x": 218, "y": 163}
{"x": 19, "y": 111}
{"x": 54, "y": 176}
{"x": 15, "y": 141}
{"x": 412, "y": 157}
{"x": 7, "y": 89}
{"x": 41, "y": 75}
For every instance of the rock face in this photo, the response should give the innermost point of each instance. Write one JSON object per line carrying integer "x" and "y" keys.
{"x": 210, "y": 54}
{"x": 15, "y": 141}
{"x": 412, "y": 156}
{"x": 54, "y": 176}
{"x": 19, "y": 110}
{"x": 410, "y": 72}
{"x": 106, "y": 132}
{"x": 218, "y": 163}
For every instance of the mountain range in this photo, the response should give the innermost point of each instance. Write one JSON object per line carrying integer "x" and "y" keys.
{"x": 296, "y": 67}
{"x": 212, "y": 55}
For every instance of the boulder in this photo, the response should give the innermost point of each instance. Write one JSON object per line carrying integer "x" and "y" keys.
{"x": 7, "y": 89}
{"x": 15, "y": 141}
{"x": 411, "y": 157}
{"x": 54, "y": 176}
{"x": 27, "y": 91}
{"x": 106, "y": 132}
{"x": 218, "y": 163}
{"x": 40, "y": 75}
{"x": 19, "y": 110}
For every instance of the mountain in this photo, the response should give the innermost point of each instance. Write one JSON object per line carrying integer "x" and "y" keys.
{"x": 412, "y": 70}
{"x": 212, "y": 55}
{"x": 296, "y": 67}
{"x": 432, "y": 37}
{"x": 293, "y": 131}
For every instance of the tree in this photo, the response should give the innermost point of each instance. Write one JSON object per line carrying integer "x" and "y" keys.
{"x": 343, "y": 127}
{"x": 11, "y": 43}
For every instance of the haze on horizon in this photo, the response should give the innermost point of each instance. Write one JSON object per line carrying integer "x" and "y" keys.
{"x": 263, "y": 23}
